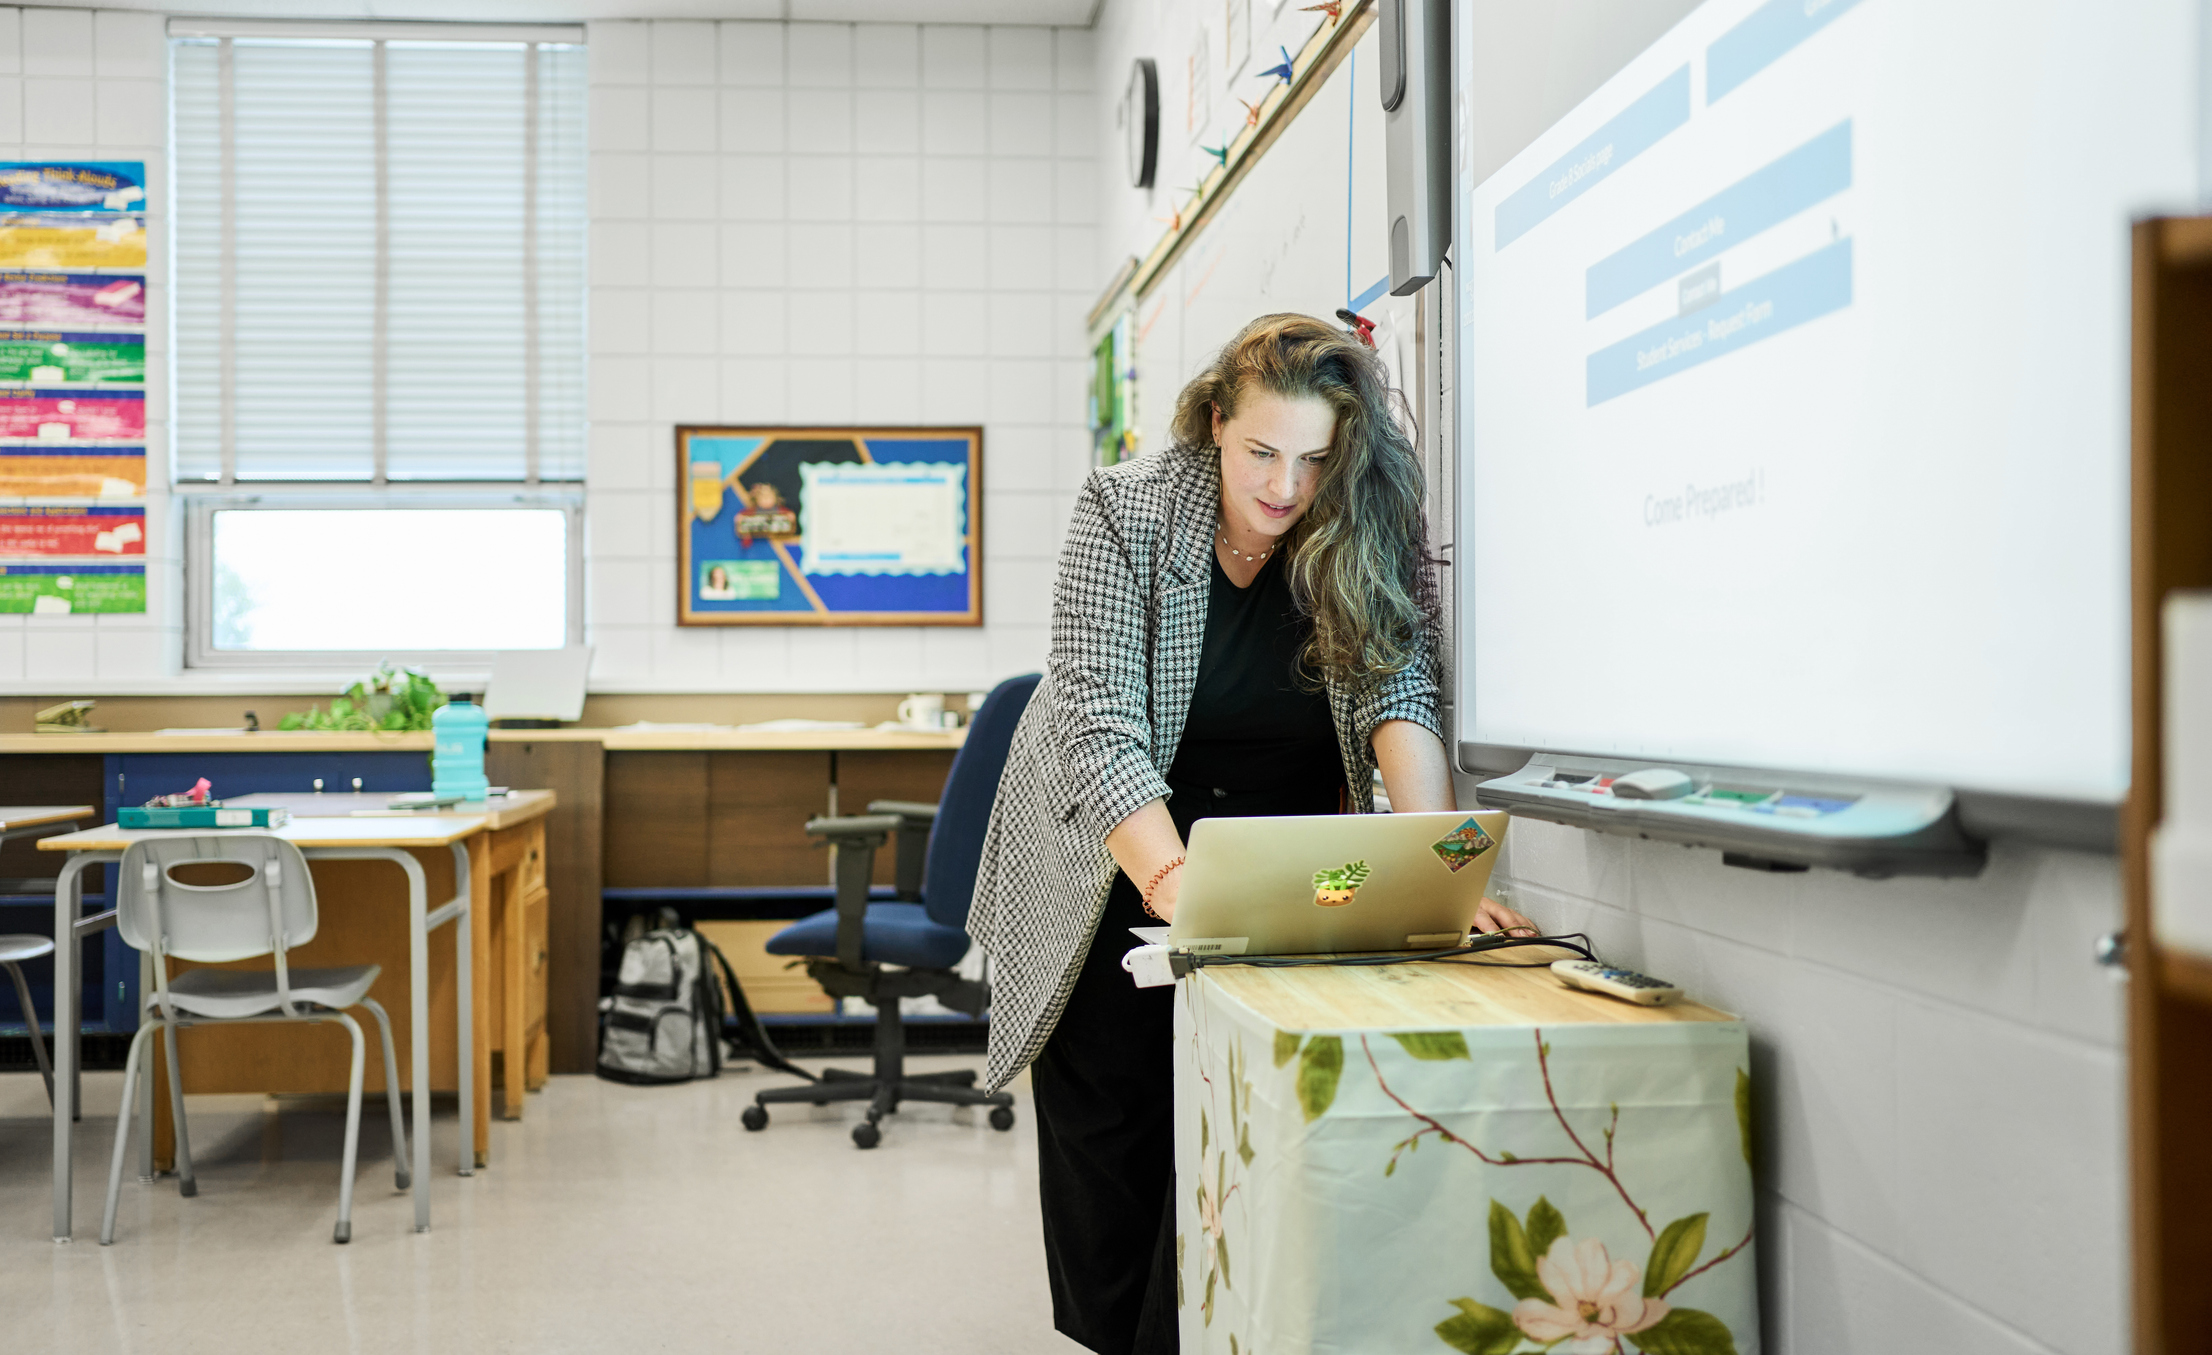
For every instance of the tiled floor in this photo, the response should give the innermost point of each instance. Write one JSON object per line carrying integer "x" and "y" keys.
{"x": 613, "y": 1219}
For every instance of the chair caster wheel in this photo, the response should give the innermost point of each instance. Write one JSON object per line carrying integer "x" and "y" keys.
{"x": 866, "y": 1135}
{"x": 755, "y": 1118}
{"x": 1002, "y": 1118}
{"x": 342, "y": 1234}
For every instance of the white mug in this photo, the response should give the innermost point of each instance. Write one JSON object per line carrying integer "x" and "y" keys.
{"x": 923, "y": 710}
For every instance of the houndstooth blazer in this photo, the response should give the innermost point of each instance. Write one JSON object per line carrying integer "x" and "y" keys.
{"x": 1094, "y": 746}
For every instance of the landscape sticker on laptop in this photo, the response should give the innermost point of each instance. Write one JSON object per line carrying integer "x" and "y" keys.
{"x": 1462, "y": 845}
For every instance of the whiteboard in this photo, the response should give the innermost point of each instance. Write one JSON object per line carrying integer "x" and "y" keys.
{"x": 1793, "y": 394}
{"x": 1305, "y": 231}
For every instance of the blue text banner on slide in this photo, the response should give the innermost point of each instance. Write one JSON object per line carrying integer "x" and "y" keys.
{"x": 1760, "y": 309}
{"x": 1807, "y": 176}
{"x": 1632, "y": 132}
{"x": 1773, "y": 29}
{"x": 1881, "y": 289}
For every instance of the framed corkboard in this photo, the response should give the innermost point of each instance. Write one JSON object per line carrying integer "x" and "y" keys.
{"x": 829, "y": 526}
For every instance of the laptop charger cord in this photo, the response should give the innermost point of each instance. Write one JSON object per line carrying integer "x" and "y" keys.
{"x": 1482, "y": 944}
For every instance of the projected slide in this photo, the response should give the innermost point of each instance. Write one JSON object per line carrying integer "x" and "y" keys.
{"x": 1794, "y": 413}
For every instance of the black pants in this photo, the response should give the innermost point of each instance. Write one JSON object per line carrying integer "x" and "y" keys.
{"x": 1104, "y": 1090}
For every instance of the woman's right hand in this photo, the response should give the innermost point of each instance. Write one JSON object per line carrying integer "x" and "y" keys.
{"x": 1163, "y": 898}
{"x": 1144, "y": 845}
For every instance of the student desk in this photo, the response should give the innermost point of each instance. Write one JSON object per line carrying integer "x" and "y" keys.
{"x": 1437, "y": 1157}
{"x": 451, "y": 855}
{"x": 30, "y": 820}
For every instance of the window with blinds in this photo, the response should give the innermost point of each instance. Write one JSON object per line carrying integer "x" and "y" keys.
{"x": 379, "y": 268}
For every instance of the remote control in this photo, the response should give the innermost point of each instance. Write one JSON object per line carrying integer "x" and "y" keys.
{"x": 1613, "y": 981}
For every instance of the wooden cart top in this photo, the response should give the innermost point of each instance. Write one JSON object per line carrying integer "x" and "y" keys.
{"x": 1432, "y": 995}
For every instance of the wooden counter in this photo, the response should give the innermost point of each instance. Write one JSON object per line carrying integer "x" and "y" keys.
{"x": 664, "y": 740}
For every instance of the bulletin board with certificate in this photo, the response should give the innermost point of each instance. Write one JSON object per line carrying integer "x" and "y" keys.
{"x": 830, "y": 526}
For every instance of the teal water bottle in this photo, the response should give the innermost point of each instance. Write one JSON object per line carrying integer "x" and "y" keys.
{"x": 457, "y": 762}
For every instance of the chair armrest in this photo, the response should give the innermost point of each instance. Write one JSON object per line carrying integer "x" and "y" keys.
{"x": 915, "y": 823}
{"x": 854, "y": 838}
{"x": 876, "y": 828}
{"x": 905, "y": 809}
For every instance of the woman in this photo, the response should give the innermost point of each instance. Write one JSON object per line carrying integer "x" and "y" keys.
{"x": 1243, "y": 624}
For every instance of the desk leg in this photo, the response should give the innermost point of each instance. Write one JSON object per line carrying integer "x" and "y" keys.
{"x": 474, "y": 1057}
{"x": 418, "y": 1032}
{"x": 145, "y": 1131}
{"x": 65, "y": 1035}
{"x": 68, "y": 1019}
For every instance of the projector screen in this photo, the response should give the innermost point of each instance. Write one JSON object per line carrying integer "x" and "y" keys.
{"x": 1793, "y": 398}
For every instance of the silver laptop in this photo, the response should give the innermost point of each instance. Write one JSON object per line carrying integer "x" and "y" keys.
{"x": 1333, "y": 882}
{"x": 537, "y": 684}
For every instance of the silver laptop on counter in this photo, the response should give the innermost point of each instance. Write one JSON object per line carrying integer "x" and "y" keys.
{"x": 1306, "y": 885}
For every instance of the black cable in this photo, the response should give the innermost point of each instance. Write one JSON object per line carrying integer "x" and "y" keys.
{"x": 1578, "y": 942}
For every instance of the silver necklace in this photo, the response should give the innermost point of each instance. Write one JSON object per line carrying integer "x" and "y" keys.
{"x": 1223, "y": 538}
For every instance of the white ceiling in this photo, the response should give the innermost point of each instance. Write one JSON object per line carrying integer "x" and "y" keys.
{"x": 1076, "y": 13}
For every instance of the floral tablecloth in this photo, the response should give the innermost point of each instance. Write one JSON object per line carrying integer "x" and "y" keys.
{"x": 1577, "y": 1188}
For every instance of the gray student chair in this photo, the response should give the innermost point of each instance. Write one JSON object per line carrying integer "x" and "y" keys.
{"x": 883, "y": 952}
{"x": 236, "y": 897}
{"x": 15, "y": 952}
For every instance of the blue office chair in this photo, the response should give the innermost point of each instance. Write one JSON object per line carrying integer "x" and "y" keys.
{"x": 924, "y": 933}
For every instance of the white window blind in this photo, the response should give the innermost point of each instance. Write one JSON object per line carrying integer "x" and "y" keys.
{"x": 379, "y": 259}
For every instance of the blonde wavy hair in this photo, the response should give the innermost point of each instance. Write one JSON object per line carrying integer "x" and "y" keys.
{"x": 1359, "y": 559}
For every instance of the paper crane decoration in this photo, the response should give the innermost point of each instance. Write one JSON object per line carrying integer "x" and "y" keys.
{"x": 1251, "y": 113}
{"x": 1220, "y": 153}
{"x": 1287, "y": 72}
{"x": 1360, "y": 325}
{"x": 1333, "y": 8}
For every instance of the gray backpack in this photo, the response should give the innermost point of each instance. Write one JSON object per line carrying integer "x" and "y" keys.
{"x": 664, "y": 1022}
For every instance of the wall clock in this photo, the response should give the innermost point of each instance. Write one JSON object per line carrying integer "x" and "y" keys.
{"x": 1140, "y": 121}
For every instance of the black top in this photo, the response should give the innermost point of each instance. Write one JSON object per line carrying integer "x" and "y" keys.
{"x": 1258, "y": 740}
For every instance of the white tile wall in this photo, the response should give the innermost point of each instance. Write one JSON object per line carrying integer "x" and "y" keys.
{"x": 812, "y": 221}
{"x": 1937, "y": 1070}
{"x": 79, "y": 83}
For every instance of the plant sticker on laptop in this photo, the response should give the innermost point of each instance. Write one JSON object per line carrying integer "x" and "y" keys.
{"x": 1462, "y": 845}
{"x": 1335, "y": 888}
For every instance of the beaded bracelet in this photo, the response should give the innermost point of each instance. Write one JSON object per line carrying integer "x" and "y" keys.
{"x": 1153, "y": 887}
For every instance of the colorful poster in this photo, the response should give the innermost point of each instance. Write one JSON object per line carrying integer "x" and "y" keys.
{"x": 72, "y": 300}
{"x": 44, "y": 589}
{"x": 54, "y": 532}
{"x": 41, "y": 355}
{"x": 63, "y": 415}
{"x": 60, "y": 240}
{"x": 72, "y": 473}
{"x": 84, "y": 186}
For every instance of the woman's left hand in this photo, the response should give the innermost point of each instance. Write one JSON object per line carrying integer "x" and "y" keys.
{"x": 1493, "y": 916}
